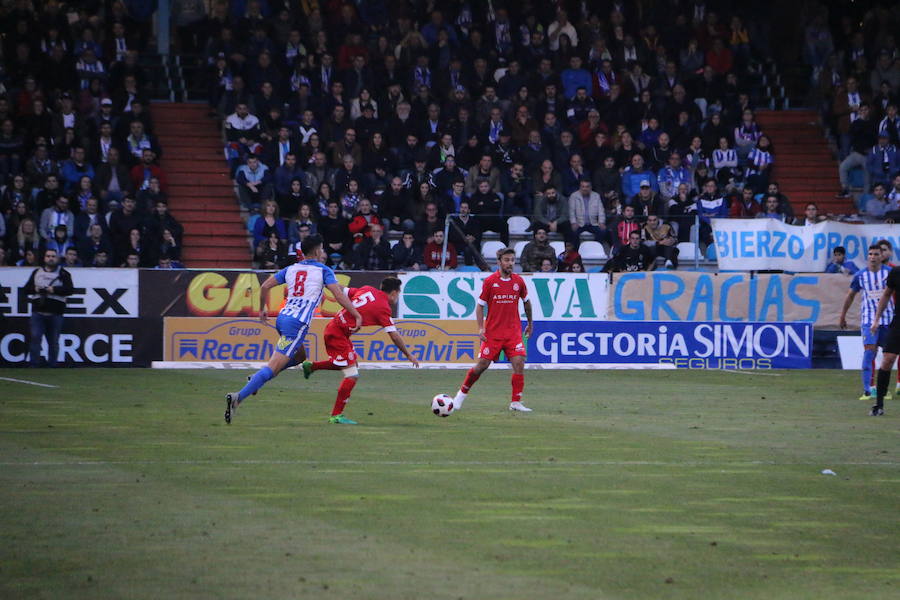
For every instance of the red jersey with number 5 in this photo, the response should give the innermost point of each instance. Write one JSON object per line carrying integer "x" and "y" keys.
{"x": 501, "y": 297}
{"x": 372, "y": 304}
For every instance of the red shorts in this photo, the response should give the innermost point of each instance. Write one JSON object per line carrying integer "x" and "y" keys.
{"x": 338, "y": 346}
{"x": 511, "y": 346}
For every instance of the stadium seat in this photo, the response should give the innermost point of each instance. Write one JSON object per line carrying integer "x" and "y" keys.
{"x": 518, "y": 225}
{"x": 489, "y": 250}
{"x": 687, "y": 251}
{"x": 711, "y": 252}
{"x": 519, "y": 247}
{"x": 592, "y": 251}
{"x": 468, "y": 269}
{"x": 558, "y": 247}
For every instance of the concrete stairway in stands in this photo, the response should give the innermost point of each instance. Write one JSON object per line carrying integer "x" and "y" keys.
{"x": 201, "y": 195}
{"x": 805, "y": 168}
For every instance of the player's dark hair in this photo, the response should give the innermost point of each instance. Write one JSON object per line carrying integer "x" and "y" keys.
{"x": 842, "y": 250}
{"x": 390, "y": 284}
{"x": 872, "y": 247}
{"x": 504, "y": 251}
{"x": 310, "y": 244}
{"x": 885, "y": 243}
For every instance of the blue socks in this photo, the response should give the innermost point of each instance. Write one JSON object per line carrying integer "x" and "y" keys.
{"x": 867, "y": 362}
{"x": 256, "y": 382}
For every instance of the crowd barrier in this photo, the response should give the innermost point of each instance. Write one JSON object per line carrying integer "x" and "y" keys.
{"x": 122, "y": 317}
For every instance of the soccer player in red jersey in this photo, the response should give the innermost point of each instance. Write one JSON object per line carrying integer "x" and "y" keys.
{"x": 375, "y": 308}
{"x": 503, "y": 329}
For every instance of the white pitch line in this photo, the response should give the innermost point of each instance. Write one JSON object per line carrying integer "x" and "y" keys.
{"x": 450, "y": 463}
{"x": 759, "y": 372}
{"x": 46, "y": 385}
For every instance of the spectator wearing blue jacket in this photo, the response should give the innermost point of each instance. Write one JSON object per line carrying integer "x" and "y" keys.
{"x": 254, "y": 183}
{"x": 74, "y": 169}
{"x": 575, "y": 77}
{"x": 633, "y": 176}
{"x": 839, "y": 262}
{"x": 882, "y": 161}
{"x": 710, "y": 205}
{"x": 673, "y": 175}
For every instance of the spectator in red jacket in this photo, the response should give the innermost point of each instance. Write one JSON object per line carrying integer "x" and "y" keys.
{"x": 435, "y": 249}
{"x": 364, "y": 218}
{"x": 744, "y": 205}
{"x": 719, "y": 57}
{"x": 142, "y": 172}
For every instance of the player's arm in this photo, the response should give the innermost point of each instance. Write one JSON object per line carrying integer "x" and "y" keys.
{"x": 267, "y": 285}
{"x": 341, "y": 298}
{"x": 848, "y": 302}
{"x": 398, "y": 341}
{"x": 530, "y": 326}
{"x": 479, "y": 318}
{"x": 886, "y": 297}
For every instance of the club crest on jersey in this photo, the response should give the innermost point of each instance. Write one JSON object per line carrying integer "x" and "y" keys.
{"x": 515, "y": 287}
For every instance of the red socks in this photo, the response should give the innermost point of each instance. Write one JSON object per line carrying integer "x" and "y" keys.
{"x": 518, "y": 384}
{"x": 325, "y": 365}
{"x": 471, "y": 378}
{"x": 344, "y": 391}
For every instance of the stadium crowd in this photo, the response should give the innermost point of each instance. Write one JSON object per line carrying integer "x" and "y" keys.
{"x": 856, "y": 77}
{"x": 374, "y": 120}
{"x": 78, "y": 159}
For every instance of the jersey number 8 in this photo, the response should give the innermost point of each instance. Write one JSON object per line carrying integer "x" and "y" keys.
{"x": 299, "y": 283}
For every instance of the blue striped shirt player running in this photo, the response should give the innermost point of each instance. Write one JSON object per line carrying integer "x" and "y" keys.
{"x": 306, "y": 282}
{"x": 869, "y": 283}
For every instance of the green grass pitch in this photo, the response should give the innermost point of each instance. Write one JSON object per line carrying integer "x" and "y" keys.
{"x": 629, "y": 484}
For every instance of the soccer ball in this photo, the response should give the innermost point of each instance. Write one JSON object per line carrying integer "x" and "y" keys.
{"x": 442, "y": 405}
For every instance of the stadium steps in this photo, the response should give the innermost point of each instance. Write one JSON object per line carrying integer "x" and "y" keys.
{"x": 804, "y": 166}
{"x": 201, "y": 193}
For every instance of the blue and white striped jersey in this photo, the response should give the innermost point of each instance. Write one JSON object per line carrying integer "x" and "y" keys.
{"x": 306, "y": 281}
{"x": 871, "y": 286}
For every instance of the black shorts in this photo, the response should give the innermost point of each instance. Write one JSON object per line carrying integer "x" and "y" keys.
{"x": 892, "y": 340}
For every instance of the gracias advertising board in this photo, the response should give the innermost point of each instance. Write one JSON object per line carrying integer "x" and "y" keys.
{"x": 769, "y": 244}
{"x": 554, "y": 296}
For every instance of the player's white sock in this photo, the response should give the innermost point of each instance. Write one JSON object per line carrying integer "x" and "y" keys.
{"x": 458, "y": 400}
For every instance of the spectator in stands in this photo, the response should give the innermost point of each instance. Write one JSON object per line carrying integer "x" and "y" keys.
{"x": 485, "y": 171}
{"x": 663, "y": 237}
{"x": 879, "y": 204}
{"x": 710, "y": 205}
{"x": 86, "y": 218}
{"x": 160, "y": 220}
{"x": 142, "y": 173}
{"x": 633, "y": 256}
{"x": 242, "y": 133}
{"x": 860, "y": 136}
{"x": 625, "y": 224}
{"x": 396, "y": 206}
{"x": 59, "y": 242}
{"x": 537, "y": 250}
{"x": 137, "y": 141}
{"x": 551, "y": 212}
{"x": 746, "y": 134}
{"x": 113, "y": 181}
{"x": 304, "y": 219}
{"x": 882, "y": 160}
{"x": 269, "y": 220}
{"x": 59, "y": 214}
{"x": 121, "y": 222}
{"x": 487, "y": 206}
{"x": 74, "y": 169}
{"x": 759, "y": 164}
{"x": 373, "y": 253}
{"x": 518, "y": 195}
{"x": 839, "y": 262}
{"x": 435, "y": 255}
{"x": 96, "y": 241}
{"x": 254, "y": 181}
{"x": 634, "y": 176}
{"x": 465, "y": 233}
{"x": 272, "y": 252}
{"x": 744, "y": 205}
{"x": 644, "y": 202}
{"x": 671, "y": 176}
{"x": 360, "y": 225}
{"x": 587, "y": 214}
{"x": 406, "y": 254}
{"x": 810, "y": 216}
{"x": 137, "y": 245}
{"x": 334, "y": 232}
{"x": 890, "y": 124}
{"x": 771, "y": 209}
